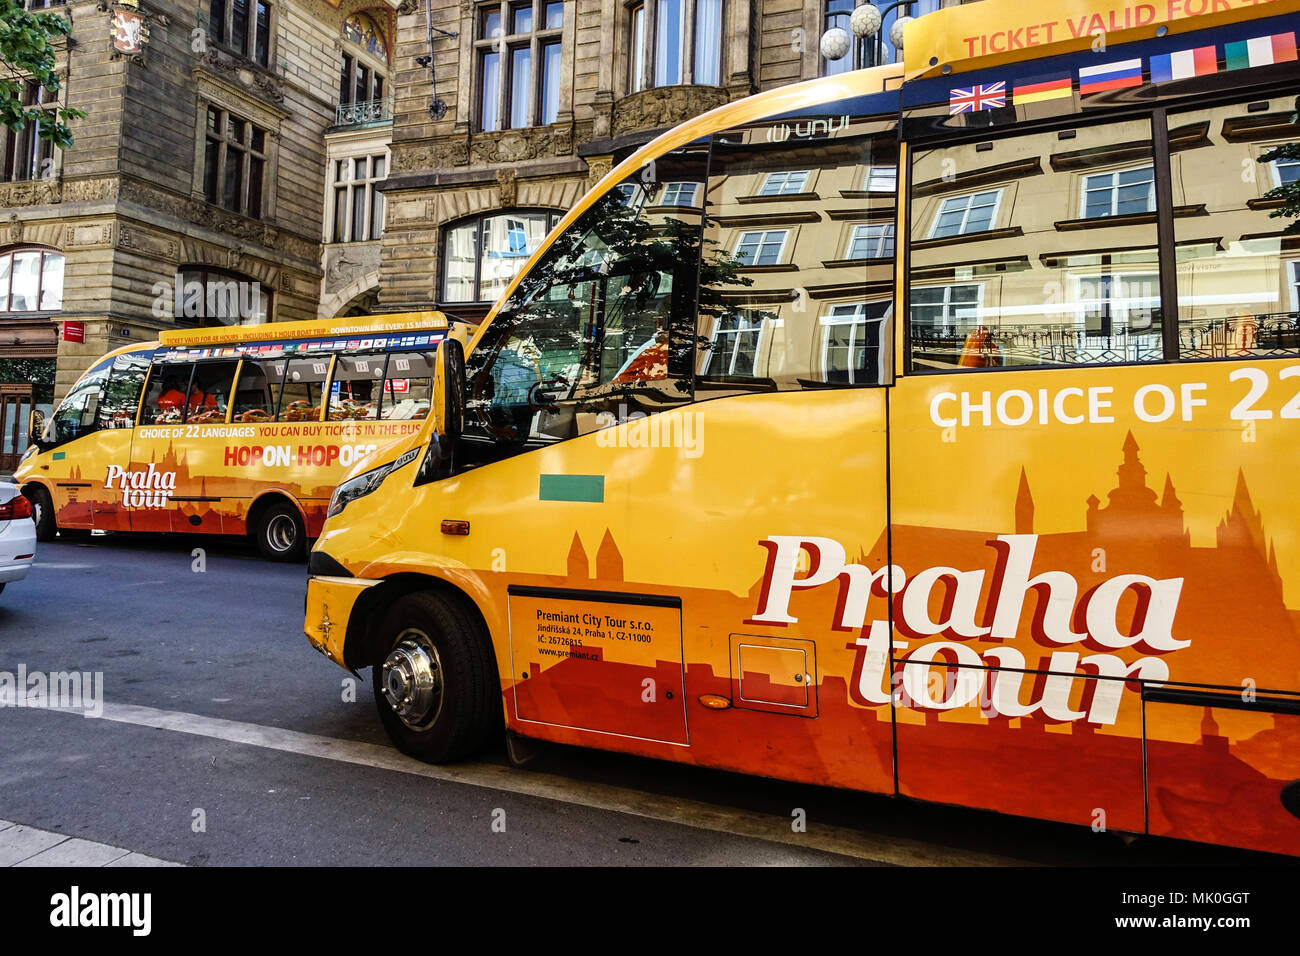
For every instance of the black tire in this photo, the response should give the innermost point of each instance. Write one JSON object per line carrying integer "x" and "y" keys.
{"x": 280, "y": 534}
{"x": 466, "y": 706}
{"x": 42, "y": 512}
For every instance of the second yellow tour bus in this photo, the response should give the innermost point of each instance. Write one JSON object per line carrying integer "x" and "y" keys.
{"x": 930, "y": 432}
{"x": 230, "y": 430}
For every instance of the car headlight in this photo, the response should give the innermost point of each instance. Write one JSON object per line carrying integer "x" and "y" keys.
{"x": 366, "y": 483}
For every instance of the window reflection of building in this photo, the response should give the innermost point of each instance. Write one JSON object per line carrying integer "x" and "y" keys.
{"x": 482, "y": 255}
{"x": 808, "y": 249}
{"x": 1051, "y": 260}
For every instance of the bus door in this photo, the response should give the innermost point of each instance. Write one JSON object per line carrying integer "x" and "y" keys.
{"x": 1034, "y": 299}
{"x": 178, "y": 463}
{"x": 597, "y": 334}
{"x": 75, "y": 474}
{"x": 114, "y": 422}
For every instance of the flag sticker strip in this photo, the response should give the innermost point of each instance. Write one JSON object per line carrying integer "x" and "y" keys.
{"x": 1035, "y": 89}
{"x": 972, "y": 99}
{"x": 1260, "y": 51}
{"x": 1185, "y": 64}
{"x": 1110, "y": 76}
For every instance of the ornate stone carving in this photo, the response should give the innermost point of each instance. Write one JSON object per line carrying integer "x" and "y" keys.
{"x": 88, "y": 234}
{"x": 14, "y": 233}
{"x": 507, "y": 188}
{"x": 442, "y": 153}
{"x": 148, "y": 243}
{"x": 345, "y": 264}
{"x": 663, "y": 106}
{"x": 406, "y": 8}
{"x": 233, "y": 256}
{"x": 89, "y": 190}
{"x": 244, "y": 72}
{"x": 598, "y": 167}
{"x": 34, "y": 192}
{"x": 521, "y": 145}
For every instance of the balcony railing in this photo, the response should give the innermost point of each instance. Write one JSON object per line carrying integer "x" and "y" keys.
{"x": 363, "y": 113}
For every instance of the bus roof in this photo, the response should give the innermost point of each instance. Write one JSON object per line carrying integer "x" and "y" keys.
{"x": 351, "y": 325}
{"x": 992, "y": 32}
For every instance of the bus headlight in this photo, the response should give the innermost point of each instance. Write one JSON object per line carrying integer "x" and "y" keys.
{"x": 366, "y": 483}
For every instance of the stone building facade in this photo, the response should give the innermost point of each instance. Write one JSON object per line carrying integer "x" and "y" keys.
{"x": 541, "y": 100}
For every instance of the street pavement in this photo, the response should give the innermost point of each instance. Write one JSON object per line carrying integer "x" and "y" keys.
{"x": 222, "y": 738}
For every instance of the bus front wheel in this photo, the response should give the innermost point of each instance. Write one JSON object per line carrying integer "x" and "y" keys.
{"x": 42, "y": 512}
{"x": 280, "y": 533}
{"x": 434, "y": 682}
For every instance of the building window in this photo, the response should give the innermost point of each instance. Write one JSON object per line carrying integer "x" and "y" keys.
{"x": 1111, "y": 302}
{"x": 1286, "y": 171}
{"x": 673, "y": 42}
{"x": 234, "y": 163}
{"x": 358, "y": 205}
{"x": 519, "y": 74}
{"x": 31, "y": 280}
{"x": 872, "y": 241}
{"x": 960, "y": 215}
{"x": 761, "y": 248}
{"x": 784, "y": 183}
{"x": 733, "y": 347}
{"x": 851, "y": 343}
{"x": 481, "y": 255}
{"x": 680, "y": 194}
{"x": 1122, "y": 192}
{"x": 363, "y": 73}
{"x": 242, "y": 25}
{"x": 881, "y": 179}
{"x": 208, "y": 296}
{"x": 26, "y": 155}
{"x": 949, "y": 307}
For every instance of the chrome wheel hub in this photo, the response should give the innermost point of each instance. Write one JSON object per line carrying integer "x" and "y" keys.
{"x": 281, "y": 533}
{"x": 411, "y": 679}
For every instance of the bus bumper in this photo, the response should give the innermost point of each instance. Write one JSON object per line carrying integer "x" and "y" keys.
{"x": 330, "y": 601}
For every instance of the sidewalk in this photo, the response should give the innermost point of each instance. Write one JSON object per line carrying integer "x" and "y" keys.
{"x": 27, "y": 846}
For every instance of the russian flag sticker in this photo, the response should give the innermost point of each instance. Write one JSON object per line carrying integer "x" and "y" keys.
{"x": 1110, "y": 76}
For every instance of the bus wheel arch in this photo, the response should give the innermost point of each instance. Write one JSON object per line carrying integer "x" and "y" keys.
{"x": 278, "y": 525}
{"x": 42, "y": 510}
{"x": 434, "y": 672}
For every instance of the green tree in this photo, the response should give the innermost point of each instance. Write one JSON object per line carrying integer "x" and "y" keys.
{"x": 1290, "y": 192}
{"x": 27, "y": 54}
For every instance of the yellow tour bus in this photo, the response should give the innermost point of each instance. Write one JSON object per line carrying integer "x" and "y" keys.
{"x": 232, "y": 429}
{"x": 928, "y": 430}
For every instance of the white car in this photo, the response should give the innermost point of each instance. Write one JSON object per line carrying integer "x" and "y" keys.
{"x": 17, "y": 534}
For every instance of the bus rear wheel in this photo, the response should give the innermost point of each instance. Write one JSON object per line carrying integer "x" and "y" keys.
{"x": 434, "y": 683}
{"x": 42, "y": 512}
{"x": 280, "y": 533}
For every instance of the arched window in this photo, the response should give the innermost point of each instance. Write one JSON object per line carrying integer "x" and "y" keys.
{"x": 31, "y": 280}
{"x": 363, "y": 72}
{"x": 674, "y": 41}
{"x": 482, "y": 254}
{"x": 204, "y": 296}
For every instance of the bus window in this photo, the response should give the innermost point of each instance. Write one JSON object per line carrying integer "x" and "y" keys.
{"x": 169, "y": 383}
{"x": 210, "y": 391}
{"x": 1238, "y": 275}
{"x": 122, "y": 393}
{"x": 255, "y": 394}
{"x": 407, "y": 388}
{"x": 796, "y": 285}
{"x": 300, "y": 396}
{"x": 354, "y": 393}
{"x": 76, "y": 415}
{"x": 602, "y": 327}
{"x": 1038, "y": 250}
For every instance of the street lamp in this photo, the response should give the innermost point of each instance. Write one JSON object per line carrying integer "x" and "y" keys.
{"x": 865, "y": 22}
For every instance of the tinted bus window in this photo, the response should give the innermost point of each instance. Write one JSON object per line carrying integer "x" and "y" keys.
{"x": 165, "y": 402}
{"x": 76, "y": 414}
{"x": 796, "y": 282}
{"x": 259, "y": 381}
{"x": 1037, "y": 250}
{"x": 300, "y": 397}
{"x": 355, "y": 391}
{"x": 122, "y": 393}
{"x": 210, "y": 391}
{"x": 407, "y": 388}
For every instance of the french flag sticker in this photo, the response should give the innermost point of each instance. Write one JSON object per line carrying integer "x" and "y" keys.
{"x": 1185, "y": 64}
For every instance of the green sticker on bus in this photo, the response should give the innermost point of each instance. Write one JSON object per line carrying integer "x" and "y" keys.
{"x": 571, "y": 488}
{"x": 60, "y": 455}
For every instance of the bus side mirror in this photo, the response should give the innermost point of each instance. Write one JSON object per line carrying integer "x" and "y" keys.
{"x": 448, "y": 392}
{"x": 35, "y": 426}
